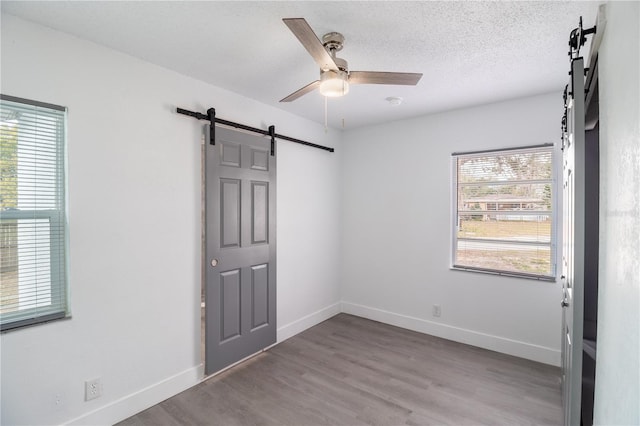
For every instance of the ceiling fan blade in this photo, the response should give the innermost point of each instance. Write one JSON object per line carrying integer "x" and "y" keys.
{"x": 374, "y": 77}
{"x": 306, "y": 89}
{"x": 301, "y": 29}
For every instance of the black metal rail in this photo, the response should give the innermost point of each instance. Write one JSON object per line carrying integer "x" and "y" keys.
{"x": 210, "y": 116}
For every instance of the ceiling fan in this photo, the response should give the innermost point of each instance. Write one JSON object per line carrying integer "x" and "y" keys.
{"x": 335, "y": 76}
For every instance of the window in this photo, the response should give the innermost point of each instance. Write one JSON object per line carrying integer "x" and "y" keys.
{"x": 32, "y": 213}
{"x": 504, "y": 218}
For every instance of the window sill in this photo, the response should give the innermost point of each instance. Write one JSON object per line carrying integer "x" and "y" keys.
{"x": 21, "y": 325}
{"x": 504, "y": 273}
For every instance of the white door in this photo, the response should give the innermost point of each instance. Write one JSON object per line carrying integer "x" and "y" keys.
{"x": 573, "y": 246}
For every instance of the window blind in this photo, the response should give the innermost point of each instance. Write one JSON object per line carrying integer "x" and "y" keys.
{"x": 32, "y": 213}
{"x": 504, "y": 212}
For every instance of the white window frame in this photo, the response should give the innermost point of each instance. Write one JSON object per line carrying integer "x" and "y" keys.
{"x": 554, "y": 215}
{"x": 56, "y": 305}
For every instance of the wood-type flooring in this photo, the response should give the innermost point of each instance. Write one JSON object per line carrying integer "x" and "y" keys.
{"x": 353, "y": 371}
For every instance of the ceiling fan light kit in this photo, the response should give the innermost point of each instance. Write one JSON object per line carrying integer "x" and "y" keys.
{"x": 335, "y": 77}
{"x": 334, "y": 84}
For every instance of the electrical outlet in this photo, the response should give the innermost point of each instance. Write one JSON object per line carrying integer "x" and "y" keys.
{"x": 436, "y": 310}
{"x": 92, "y": 389}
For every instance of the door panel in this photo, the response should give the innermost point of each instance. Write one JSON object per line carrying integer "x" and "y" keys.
{"x": 230, "y": 154}
{"x": 260, "y": 210}
{"x": 573, "y": 246}
{"x": 229, "y": 304}
{"x": 259, "y": 159}
{"x": 259, "y": 295}
{"x": 230, "y": 212}
{"x": 240, "y": 264}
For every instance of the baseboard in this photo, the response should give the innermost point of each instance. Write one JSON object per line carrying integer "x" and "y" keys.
{"x": 298, "y": 326}
{"x": 138, "y": 401}
{"x": 495, "y": 343}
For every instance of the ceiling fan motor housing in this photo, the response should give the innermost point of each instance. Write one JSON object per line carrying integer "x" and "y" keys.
{"x": 334, "y": 42}
{"x": 342, "y": 64}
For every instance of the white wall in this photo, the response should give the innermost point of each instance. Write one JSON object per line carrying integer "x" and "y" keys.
{"x": 617, "y": 396}
{"x": 134, "y": 214}
{"x": 396, "y": 234}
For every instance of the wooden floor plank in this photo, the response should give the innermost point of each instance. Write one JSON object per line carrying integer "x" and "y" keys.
{"x": 353, "y": 371}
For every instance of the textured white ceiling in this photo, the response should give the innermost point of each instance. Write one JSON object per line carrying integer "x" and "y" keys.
{"x": 470, "y": 52}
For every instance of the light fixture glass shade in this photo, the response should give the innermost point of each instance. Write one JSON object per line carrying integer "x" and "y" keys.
{"x": 334, "y": 84}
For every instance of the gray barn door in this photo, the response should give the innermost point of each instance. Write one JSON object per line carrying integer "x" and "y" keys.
{"x": 573, "y": 247}
{"x": 240, "y": 254}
